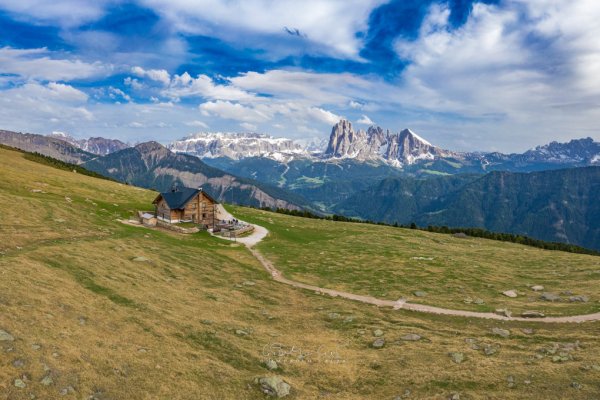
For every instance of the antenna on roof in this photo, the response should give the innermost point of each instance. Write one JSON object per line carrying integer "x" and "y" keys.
{"x": 174, "y": 188}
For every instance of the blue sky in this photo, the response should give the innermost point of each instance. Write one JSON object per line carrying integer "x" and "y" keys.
{"x": 467, "y": 75}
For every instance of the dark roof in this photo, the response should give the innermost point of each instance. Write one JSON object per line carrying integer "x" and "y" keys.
{"x": 177, "y": 199}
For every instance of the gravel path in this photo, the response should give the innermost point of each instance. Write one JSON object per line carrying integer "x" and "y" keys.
{"x": 260, "y": 233}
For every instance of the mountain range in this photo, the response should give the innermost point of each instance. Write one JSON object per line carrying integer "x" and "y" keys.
{"x": 151, "y": 165}
{"x": 95, "y": 145}
{"x": 374, "y": 174}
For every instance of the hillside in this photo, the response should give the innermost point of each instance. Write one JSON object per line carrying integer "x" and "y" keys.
{"x": 152, "y": 165}
{"x": 48, "y": 146}
{"x": 558, "y": 205}
{"x": 96, "y": 309}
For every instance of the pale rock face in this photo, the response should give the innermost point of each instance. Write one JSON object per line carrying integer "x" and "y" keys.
{"x": 405, "y": 147}
{"x": 95, "y": 145}
{"x": 238, "y": 145}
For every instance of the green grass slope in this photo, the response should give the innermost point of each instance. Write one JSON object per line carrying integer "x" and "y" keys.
{"x": 90, "y": 319}
{"x": 391, "y": 263}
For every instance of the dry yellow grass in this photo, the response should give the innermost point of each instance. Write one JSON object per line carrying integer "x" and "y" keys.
{"x": 165, "y": 328}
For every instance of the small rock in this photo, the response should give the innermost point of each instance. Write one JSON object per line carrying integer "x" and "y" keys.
{"x": 241, "y": 332}
{"x": 537, "y": 288}
{"x": 378, "y": 343}
{"x": 377, "y": 333}
{"x": 547, "y": 296}
{"x": 576, "y": 385}
{"x": 140, "y": 259}
{"x": 411, "y": 337}
{"x": 460, "y": 235}
{"x": 504, "y": 312}
{"x": 274, "y": 386}
{"x": 501, "y": 332}
{"x": 271, "y": 365}
{"x": 510, "y": 293}
{"x": 18, "y": 363}
{"x": 532, "y": 314}
{"x": 528, "y": 331}
{"x": 361, "y": 331}
{"x": 333, "y": 315}
{"x": 5, "y": 336}
{"x": 457, "y": 357}
{"x": 489, "y": 350}
{"x": 47, "y": 381}
{"x": 420, "y": 293}
{"x": 248, "y": 283}
{"x": 511, "y": 381}
{"x": 454, "y": 396}
{"x": 20, "y": 384}
{"x": 579, "y": 299}
{"x": 479, "y": 301}
{"x": 36, "y": 346}
{"x": 67, "y": 390}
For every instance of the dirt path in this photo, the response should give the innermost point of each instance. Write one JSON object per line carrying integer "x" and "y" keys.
{"x": 260, "y": 233}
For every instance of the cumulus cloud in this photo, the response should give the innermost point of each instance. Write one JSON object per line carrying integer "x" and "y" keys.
{"x": 203, "y": 86}
{"x": 525, "y": 69}
{"x": 364, "y": 120}
{"x": 158, "y": 75}
{"x": 42, "y": 64}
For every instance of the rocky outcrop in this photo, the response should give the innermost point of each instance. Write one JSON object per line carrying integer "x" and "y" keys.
{"x": 404, "y": 147}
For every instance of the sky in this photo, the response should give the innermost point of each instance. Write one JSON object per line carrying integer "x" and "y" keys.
{"x": 497, "y": 75}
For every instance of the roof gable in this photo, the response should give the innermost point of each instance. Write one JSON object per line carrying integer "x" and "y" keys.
{"x": 177, "y": 199}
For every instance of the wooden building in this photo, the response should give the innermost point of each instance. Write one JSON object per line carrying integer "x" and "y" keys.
{"x": 186, "y": 205}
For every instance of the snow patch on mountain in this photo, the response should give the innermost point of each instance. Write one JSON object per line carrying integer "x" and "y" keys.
{"x": 239, "y": 145}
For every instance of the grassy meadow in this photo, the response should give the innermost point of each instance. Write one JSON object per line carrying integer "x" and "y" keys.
{"x": 102, "y": 310}
{"x": 392, "y": 263}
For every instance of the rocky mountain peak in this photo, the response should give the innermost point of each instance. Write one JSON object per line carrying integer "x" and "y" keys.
{"x": 238, "y": 145}
{"x": 95, "y": 145}
{"x": 404, "y": 147}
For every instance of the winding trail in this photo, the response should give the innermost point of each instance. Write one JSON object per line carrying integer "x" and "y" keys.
{"x": 260, "y": 233}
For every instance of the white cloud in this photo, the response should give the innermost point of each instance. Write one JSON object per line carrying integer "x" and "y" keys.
{"x": 322, "y": 115}
{"x": 203, "y": 86}
{"x": 318, "y": 88}
{"x": 134, "y": 83}
{"x": 364, "y": 120}
{"x": 197, "y": 124}
{"x": 32, "y": 106}
{"x": 327, "y": 26}
{"x": 115, "y": 93}
{"x": 248, "y": 126}
{"x": 234, "y": 111}
{"x": 516, "y": 73}
{"x": 66, "y": 13}
{"x": 158, "y": 75}
{"x": 41, "y": 64}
